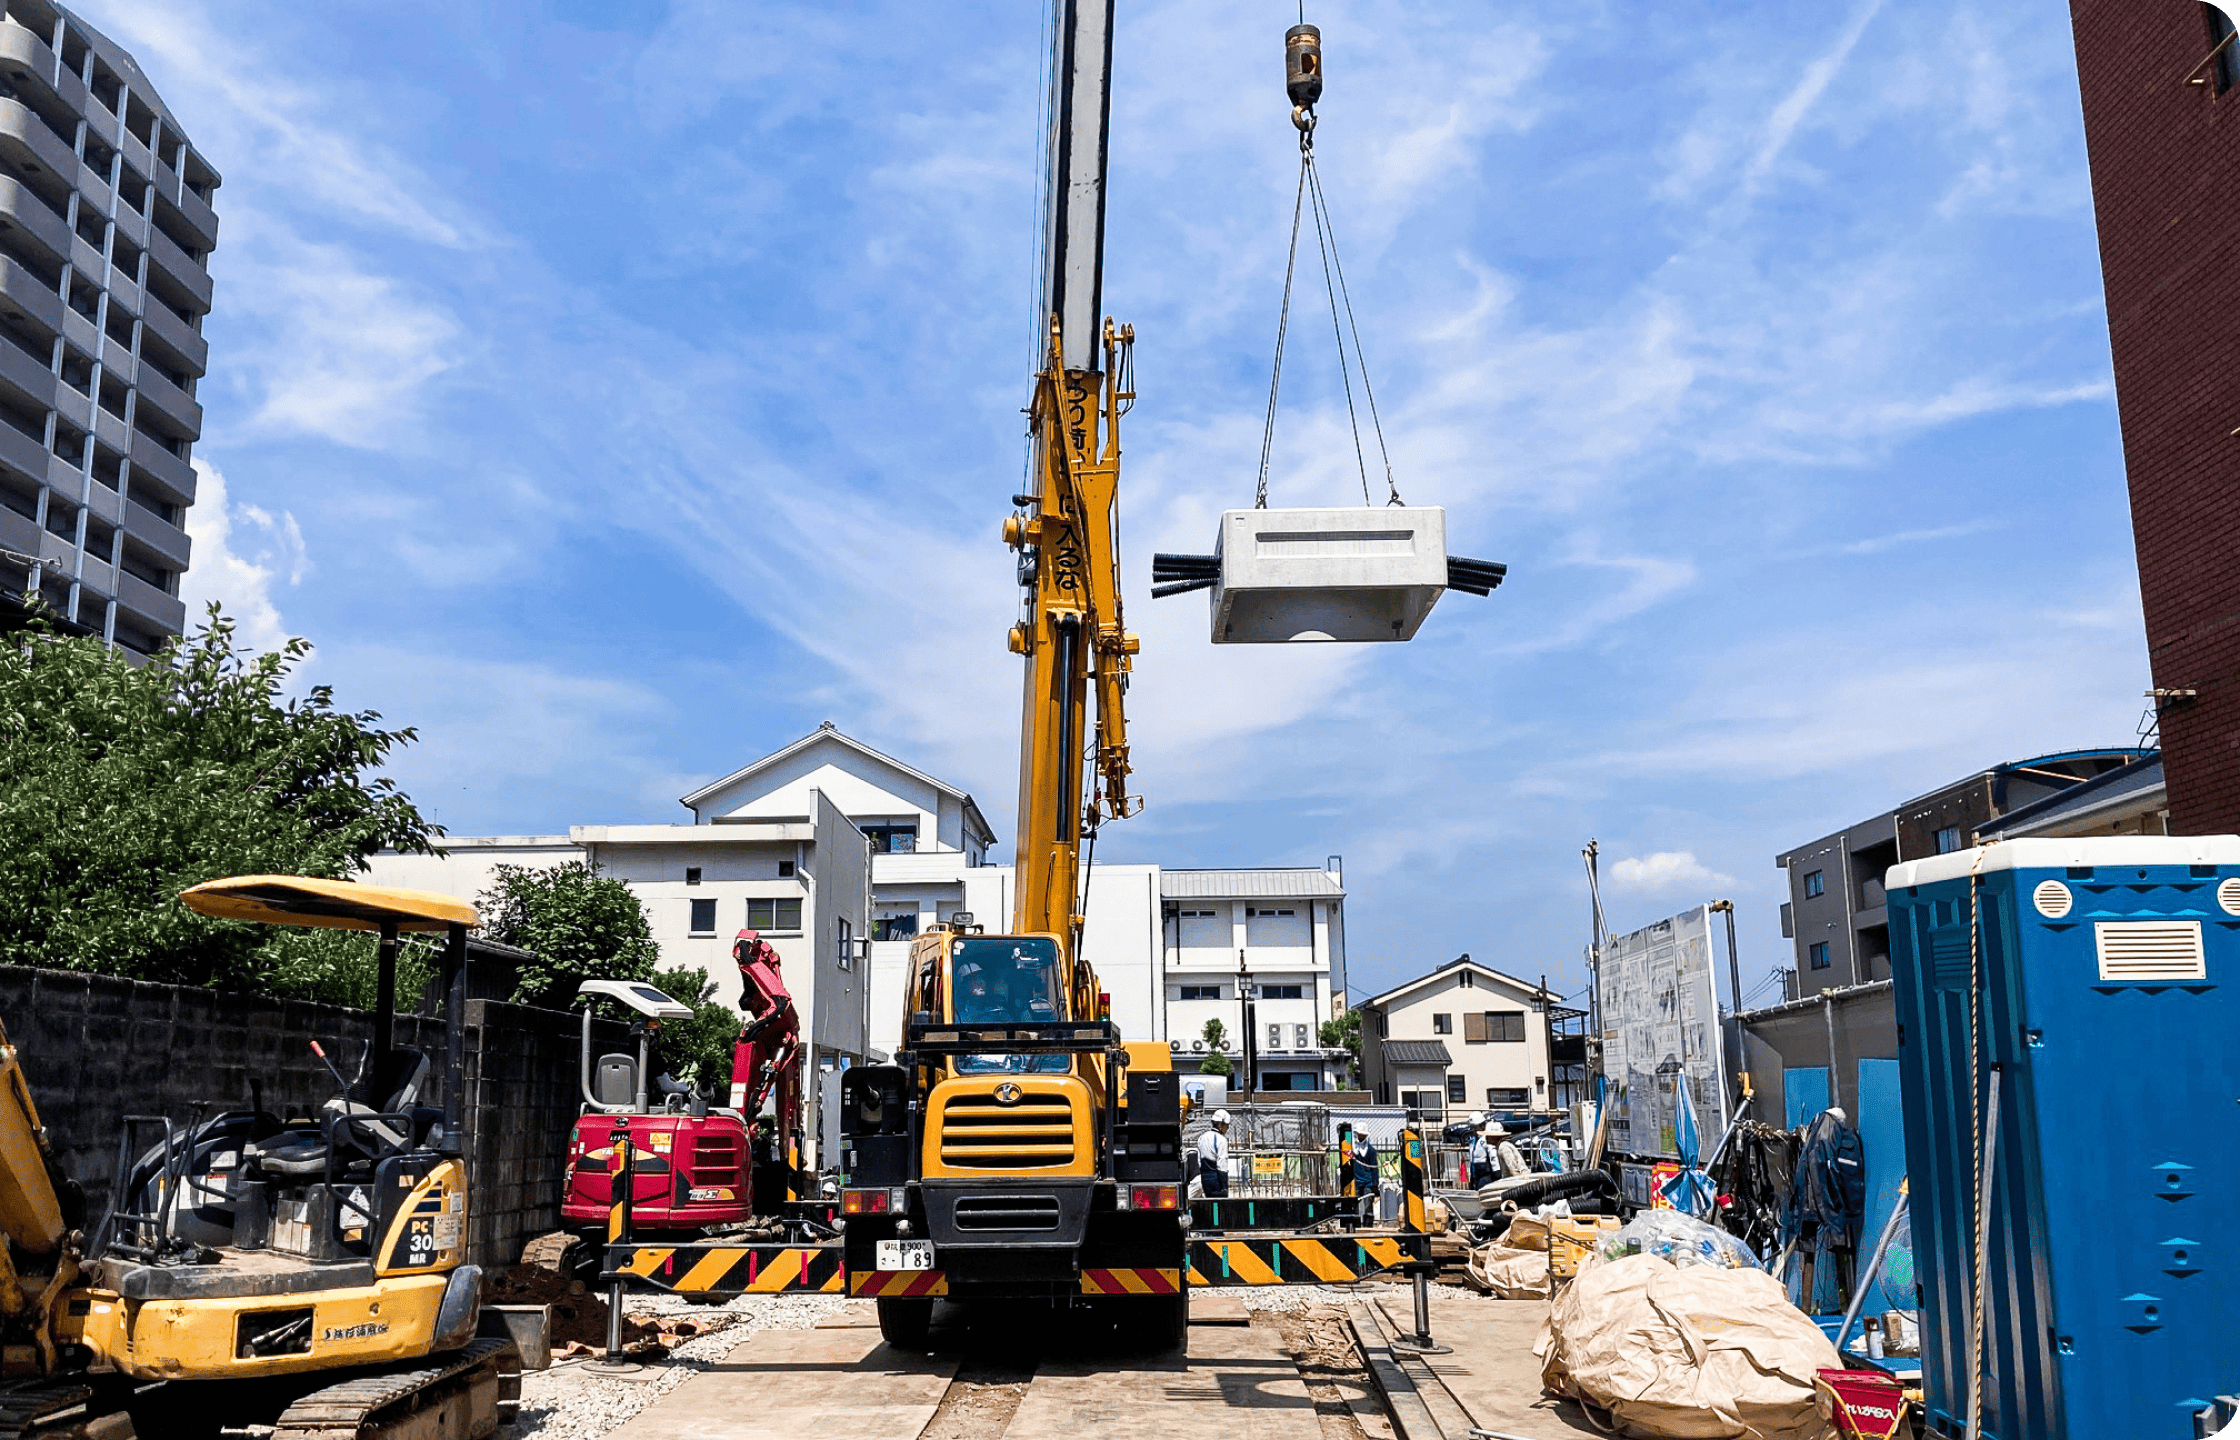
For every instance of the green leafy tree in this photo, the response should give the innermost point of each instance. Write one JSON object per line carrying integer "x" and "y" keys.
{"x": 1343, "y": 1032}
{"x": 579, "y": 924}
{"x": 697, "y": 1051}
{"x": 123, "y": 783}
{"x": 1216, "y": 1036}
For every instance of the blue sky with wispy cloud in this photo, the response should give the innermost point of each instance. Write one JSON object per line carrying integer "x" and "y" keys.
{"x": 616, "y": 390}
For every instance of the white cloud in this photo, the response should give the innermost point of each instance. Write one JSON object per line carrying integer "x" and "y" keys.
{"x": 240, "y": 552}
{"x": 1666, "y": 871}
{"x": 339, "y": 351}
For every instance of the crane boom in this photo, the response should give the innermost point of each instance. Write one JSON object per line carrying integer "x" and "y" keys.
{"x": 1072, "y": 635}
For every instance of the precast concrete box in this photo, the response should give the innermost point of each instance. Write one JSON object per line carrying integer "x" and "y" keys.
{"x": 1357, "y": 573}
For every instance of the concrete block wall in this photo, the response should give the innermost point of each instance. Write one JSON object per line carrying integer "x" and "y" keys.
{"x": 97, "y": 1048}
{"x": 2165, "y": 160}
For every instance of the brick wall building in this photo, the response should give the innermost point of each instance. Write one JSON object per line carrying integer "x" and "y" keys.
{"x": 2160, "y": 81}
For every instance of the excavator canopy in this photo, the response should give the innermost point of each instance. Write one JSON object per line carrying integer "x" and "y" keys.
{"x": 330, "y": 904}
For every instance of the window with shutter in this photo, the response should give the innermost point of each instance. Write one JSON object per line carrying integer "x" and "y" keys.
{"x": 1476, "y": 1027}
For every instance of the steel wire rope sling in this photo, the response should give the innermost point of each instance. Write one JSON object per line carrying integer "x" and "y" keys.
{"x": 1302, "y": 55}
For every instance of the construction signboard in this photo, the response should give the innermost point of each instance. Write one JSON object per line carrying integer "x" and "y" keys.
{"x": 1659, "y": 1004}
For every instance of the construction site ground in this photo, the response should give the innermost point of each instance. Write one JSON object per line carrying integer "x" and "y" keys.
{"x": 1277, "y": 1363}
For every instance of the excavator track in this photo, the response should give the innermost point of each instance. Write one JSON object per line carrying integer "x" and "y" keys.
{"x": 472, "y": 1394}
{"x": 39, "y": 1409}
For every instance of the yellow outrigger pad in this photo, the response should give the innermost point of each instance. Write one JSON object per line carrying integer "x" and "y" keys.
{"x": 330, "y": 904}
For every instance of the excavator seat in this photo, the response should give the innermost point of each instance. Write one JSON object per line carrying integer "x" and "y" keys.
{"x": 361, "y": 1133}
{"x": 615, "y": 1082}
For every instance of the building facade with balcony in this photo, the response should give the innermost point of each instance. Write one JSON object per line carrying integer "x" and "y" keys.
{"x": 106, "y": 229}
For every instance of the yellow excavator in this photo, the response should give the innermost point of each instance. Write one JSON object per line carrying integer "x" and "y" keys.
{"x": 304, "y": 1276}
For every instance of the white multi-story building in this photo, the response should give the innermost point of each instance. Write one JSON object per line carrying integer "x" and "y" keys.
{"x": 1264, "y": 953}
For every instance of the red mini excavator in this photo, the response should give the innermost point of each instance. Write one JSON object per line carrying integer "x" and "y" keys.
{"x": 696, "y": 1168}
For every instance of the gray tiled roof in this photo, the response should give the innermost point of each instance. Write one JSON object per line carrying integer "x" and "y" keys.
{"x": 1417, "y": 1052}
{"x": 1300, "y": 884}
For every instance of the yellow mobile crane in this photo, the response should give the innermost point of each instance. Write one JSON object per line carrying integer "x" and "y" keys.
{"x": 1019, "y": 1150}
{"x": 1045, "y": 1160}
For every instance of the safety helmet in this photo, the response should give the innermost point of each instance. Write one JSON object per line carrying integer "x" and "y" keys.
{"x": 1496, "y": 1129}
{"x": 1220, "y": 1117}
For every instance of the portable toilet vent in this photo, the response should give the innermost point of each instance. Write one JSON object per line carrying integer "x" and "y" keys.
{"x": 1352, "y": 573}
{"x": 2101, "y": 979}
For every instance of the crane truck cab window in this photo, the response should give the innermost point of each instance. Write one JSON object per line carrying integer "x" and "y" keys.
{"x": 997, "y": 980}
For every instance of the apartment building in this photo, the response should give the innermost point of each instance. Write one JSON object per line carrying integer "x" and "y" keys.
{"x": 1264, "y": 952}
{"x": 1463, "y": 1038}
{"x": 1836, "y": 914}
{"x": 106, "y": 229}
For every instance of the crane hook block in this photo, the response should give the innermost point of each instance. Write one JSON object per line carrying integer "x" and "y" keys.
{"x": 1302, "y": 65}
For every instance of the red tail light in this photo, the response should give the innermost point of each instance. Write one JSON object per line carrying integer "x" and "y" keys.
{"x": 863, "y": 1202}
{"x": 1156, "y": 1197}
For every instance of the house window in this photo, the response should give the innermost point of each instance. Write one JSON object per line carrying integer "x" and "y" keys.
{"x": 1420, "y": 1100}
{"x": 703, "y": 917}
{"x": 847, "y": 954}
{"x": 767, "y": 914}
{"x": 1384, "y": 1026}
{"x": 1948, "y": 839}
{"x": 1442, "y": 1024}
{"x": 1496, "y": 1095}
{"x": 1489, "y": 1026}
{"x": 1819, "y": 954}
{"x": 1298, "y": 1037}
{"x": 1197, "y": 992}
{"x": 1815, "y": 883}
{"x": 785, "y": 869}
{"x": 1457, "y": 1090}
{"x": 691, "y": 874}
{"x": 903, "y": 926}
{"x": 1275, "y": 1037}
{"x": 1281, "y": 992}
{"x": 1466, "y": 980}
{"x": 1250, "y": 912}
{"x": 892, "y": 839}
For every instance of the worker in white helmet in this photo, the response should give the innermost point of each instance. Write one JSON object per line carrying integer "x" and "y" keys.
{"x": 1501, "y": 1156}
{"x": 1213, "y": 1158}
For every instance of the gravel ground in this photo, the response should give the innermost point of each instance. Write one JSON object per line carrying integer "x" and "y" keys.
{"x": 569, "y": 1403}
{"x": 1283, "y": 1299}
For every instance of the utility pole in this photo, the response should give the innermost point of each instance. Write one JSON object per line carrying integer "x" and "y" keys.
{"x": 1245, "y": 998}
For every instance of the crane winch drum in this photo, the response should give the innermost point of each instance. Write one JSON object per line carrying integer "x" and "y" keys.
{"x": 1336, "y": 573}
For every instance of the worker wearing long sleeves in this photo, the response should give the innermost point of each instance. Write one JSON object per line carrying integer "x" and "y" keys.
{"x": 1213, "y": 1158}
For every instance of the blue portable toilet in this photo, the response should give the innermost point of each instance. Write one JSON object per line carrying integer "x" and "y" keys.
{"x": 2108, "y": 971}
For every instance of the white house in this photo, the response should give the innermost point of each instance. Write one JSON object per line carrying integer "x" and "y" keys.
{"x": 1463, "y": 1038}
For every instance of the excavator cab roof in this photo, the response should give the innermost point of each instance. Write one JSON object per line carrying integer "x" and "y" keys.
{"x": 329, "y": 904}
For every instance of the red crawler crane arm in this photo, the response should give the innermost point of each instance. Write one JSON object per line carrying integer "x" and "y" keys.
{"x": 770, "y": 1040}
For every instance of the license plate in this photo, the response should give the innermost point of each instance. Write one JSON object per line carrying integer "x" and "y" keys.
{"x": 904, "y": 1254}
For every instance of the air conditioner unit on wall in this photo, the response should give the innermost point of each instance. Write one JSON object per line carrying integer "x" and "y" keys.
{"x": 1197, "y": 1044}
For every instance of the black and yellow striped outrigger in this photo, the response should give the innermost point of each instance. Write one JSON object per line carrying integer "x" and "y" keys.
{"x": 1233, "y": 1255}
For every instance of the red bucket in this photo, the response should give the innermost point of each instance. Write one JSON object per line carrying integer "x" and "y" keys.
{"x": 1863, "y": 1404}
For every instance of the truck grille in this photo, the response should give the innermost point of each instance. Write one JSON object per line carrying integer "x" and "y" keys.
{"x": 1034, "y": 1134}
{"x": 1007, "y": 1212}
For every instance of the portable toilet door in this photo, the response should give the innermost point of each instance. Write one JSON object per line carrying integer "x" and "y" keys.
{"x": 2103, "y": 975}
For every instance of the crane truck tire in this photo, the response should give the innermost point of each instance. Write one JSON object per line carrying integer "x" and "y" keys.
{"x": 905, "y": 1323}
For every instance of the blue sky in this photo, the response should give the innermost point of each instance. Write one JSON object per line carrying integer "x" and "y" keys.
{"x": 614, "y": 391}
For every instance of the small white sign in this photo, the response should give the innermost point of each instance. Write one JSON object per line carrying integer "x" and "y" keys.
{"x": 904, "y": 1254}
{"x": 449, "y": 1228}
